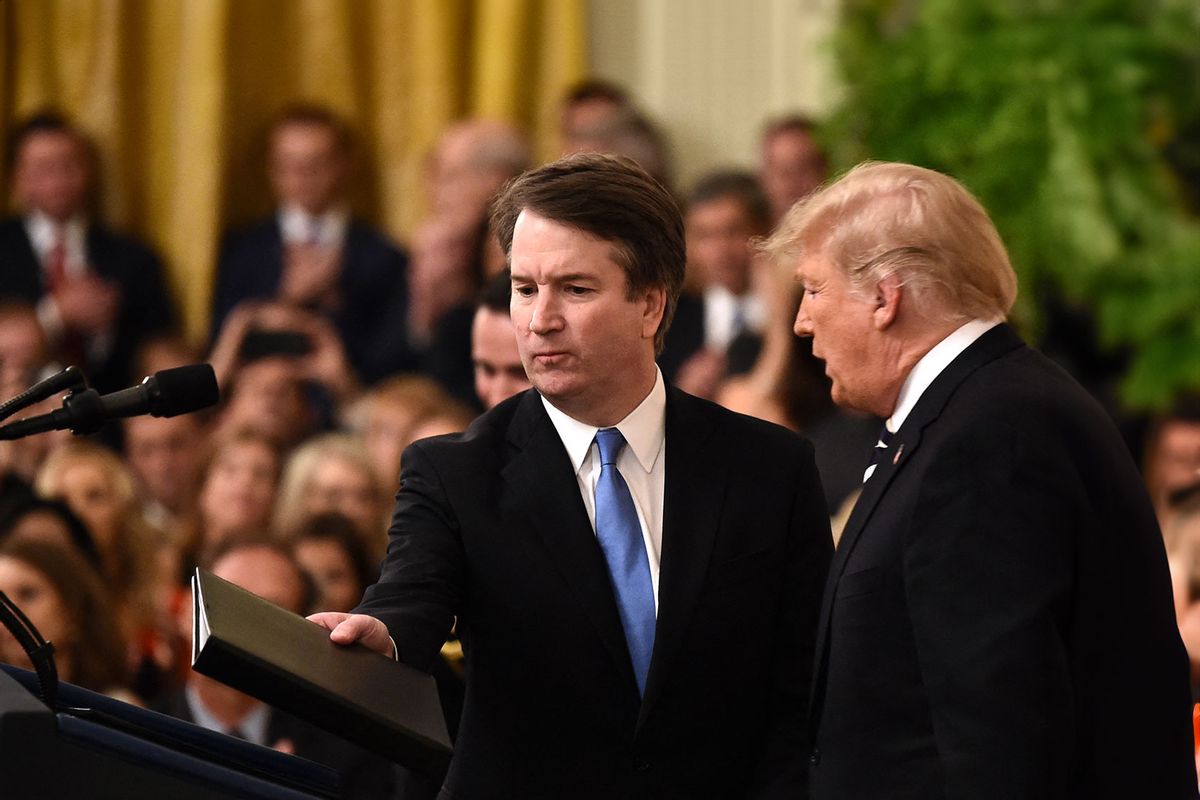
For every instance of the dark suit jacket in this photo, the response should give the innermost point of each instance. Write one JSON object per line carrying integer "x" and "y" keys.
{"x": 372, "y": 320}
{"x": 998, "y": 619}
{"x": 145, "y": 308}
{"x": 363, "y": 775}
{"x": 490, "y": 527}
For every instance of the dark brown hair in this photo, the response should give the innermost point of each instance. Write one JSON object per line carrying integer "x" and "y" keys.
{"x": 741, "y": 186}
{"x": 310, "y": 114}
{"x": 99, "y": 650}
{"x": 613, "y": 199}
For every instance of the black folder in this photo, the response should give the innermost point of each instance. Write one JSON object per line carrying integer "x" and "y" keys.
{"x": 288, "y": 662}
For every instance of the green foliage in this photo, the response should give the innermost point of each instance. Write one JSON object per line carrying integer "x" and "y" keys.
{"x": 1055, "y": 113}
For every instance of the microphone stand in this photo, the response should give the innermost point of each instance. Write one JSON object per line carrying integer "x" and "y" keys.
{"x": 70, "y": 379}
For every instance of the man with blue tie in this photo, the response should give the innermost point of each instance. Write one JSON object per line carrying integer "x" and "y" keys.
{"x": 634, "y": 572}
{"x": 998, "y": 620}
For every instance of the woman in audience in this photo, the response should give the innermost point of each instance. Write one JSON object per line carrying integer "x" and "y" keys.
{"x": 386, "y": 416}
{"x": 67, "y": 603}
{"x": 135, "y": 564}
{"x": 329, "y": 549}
{"x": 51, "y": 521}
{"x": 333, "y": 472}
{"x": 236, "y": 496}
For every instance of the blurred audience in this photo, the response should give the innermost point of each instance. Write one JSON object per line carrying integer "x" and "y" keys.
{"x": 53, "y": 522}
{"x": 586, "y": 107}
{"x": 135, "y": 563}
{"x": 66, "y": 601}
{"x": 791, "y": 162}
{"x": 388, "y": 416}
{"x": 163, "y": 453}
{"x": 333, "y": 472}
{"x": 97, "y": 293}
{"x": 1171, "y": 460}
{"x": 312, "y": 254}
{"x": 329, "y": 548}
{"x": 720, "y": 332}
{"x": 499, "y": 373}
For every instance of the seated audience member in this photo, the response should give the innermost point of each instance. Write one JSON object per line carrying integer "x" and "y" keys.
{"x": 237, "y": 483}
{"x": 333, "y": 472}
{"x": 52, "y": 522}
{"x": 312, "y": 254}
{"x": 164, "y": 352}
{"x": 267, "y": 570}
{"x": 499, "y": 373}
{"x": 1181, "y": 535}
{"x": 472, "y": 159}
{"x": 66, "y": 601}
{"x": 587, "y": 106}
{"x": 329, "y": 548}
{"x": 163, "y": 453}
{"x": 720, "y": 332}
{"x": 386, "y": 417}
{"x": 282, "y": 372}
{"x": 136, "y": 564}
{"x": 791, "y": 162}
{"x": 627, "y": 133}
{"x": 1172, "y": 456}
{"x": 98, "y": 294}
{"x": 450, "y": 418}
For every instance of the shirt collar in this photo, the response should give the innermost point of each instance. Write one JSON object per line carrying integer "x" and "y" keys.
{"x": 644, "y": 428}
{"x": 44, "y": 231}
{"x": 253, "y": 726}
{"x": 297, "y": 225}
{"x": 932, "y": 364}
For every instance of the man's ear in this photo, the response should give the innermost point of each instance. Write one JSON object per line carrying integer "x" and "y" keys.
{"x": 888, "y": 294}
{"x": 655, "y": 305}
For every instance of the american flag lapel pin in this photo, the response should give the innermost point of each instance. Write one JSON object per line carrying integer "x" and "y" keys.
{"x": 899, "y": 452}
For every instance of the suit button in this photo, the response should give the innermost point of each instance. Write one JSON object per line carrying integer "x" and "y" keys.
{"x": 641, "y": 765}
{"x": 814, "y": 757}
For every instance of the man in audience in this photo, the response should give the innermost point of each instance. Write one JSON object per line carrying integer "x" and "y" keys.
{"x": 588, "y": 106}
{"x": 1172, "y": 457}
{"x": 591, "y": 672}
{"x": 499, "y": 373}
{"x": 267, "y": 570}
{"x": 998, "y": 621}
{"x": 721, "y": 332}
{"x": 791, "y": 163}
{"x": 98, "y": 294}
{"x": 311, "y": 254}
{"x": 164, "y": 455}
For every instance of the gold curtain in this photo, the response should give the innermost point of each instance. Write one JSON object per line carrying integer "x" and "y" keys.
{"x": 178, "y": 94}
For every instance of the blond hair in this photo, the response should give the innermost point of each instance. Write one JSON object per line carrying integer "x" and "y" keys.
{"x": 924, "y": 228}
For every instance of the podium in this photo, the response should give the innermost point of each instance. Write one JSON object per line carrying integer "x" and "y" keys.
{"x": 104, "y": 748}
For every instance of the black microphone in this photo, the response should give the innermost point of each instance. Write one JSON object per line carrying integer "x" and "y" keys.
{"x": 166, "y": 393}
{"x": 70, "y": 378}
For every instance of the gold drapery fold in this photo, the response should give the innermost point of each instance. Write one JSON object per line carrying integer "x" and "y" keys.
{"x": 177, "y": 96}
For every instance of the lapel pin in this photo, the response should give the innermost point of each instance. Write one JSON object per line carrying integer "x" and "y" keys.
{"x": 896, "y": 458}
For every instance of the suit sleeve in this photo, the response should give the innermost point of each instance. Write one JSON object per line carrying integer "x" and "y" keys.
{"x": 988, "y": 560}
{"x": 783, "y": 771}
{"x": 421, "y": 581}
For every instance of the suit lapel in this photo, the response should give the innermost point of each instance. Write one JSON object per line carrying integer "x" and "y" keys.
{"x": 991, "y": 345}
{"x": 542, "y": 488}
{"x": 693, "y": 496}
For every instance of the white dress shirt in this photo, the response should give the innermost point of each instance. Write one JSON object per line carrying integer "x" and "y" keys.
{"x": 721, "y": 310}
{"x": 252, "y": 727}
{"x": 642, "y": 464}
{"x": 932, "y": 364}
{"x": 297, "y": 226}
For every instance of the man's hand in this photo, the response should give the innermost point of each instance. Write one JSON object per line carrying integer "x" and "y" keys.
{"x": 350, "y": 628}
{"x": 309, "y": 272}
{"x": 88, "y": 304}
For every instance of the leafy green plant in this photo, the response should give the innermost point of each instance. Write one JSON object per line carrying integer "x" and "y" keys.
{"x": 1056, "y": 113}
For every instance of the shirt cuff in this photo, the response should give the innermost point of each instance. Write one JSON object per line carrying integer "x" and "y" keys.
{"x": 395, "y": 650}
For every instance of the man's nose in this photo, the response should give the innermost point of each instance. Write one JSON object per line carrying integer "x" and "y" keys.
{"x": 803, "y": 326}
{"x": 546, "y": 316}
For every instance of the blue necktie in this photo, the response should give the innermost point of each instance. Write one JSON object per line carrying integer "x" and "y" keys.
{"x": 621, "y": 541}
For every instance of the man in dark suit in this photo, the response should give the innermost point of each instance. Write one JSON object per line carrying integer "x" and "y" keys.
{"x": 98, "y": 294}
{"x": 312, "y": 254}
{"x": 998, "y": 619}
{"x": 633, "y": 571}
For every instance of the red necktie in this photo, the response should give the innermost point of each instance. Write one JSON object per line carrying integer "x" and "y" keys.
{"x": 56, "y": 263}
